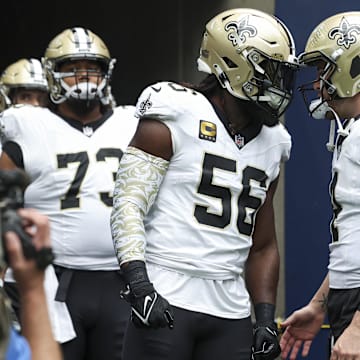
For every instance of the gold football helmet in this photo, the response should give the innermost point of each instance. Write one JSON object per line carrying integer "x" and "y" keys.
{"x": 336, "y": 43}
{"x": 252, "y": 55}
{"x": 77, "y": 44}
{"x": 24, "y": 73}
{"x": 333, "y": 48}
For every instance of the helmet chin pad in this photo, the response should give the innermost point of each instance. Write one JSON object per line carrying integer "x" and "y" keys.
{"x": 318, "y": 109}
{"x": 83, "y": 90}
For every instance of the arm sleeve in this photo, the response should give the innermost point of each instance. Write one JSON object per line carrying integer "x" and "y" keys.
{"x": 138, "y": 181}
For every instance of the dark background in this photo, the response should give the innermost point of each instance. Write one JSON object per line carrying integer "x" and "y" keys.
{"x": 151, "y": 40}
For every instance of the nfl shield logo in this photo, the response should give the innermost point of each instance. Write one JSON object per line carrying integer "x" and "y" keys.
{"x": 239, "y": 141}
{"x": 88, "y": 131}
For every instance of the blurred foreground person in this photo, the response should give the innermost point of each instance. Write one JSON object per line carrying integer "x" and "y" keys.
{"x": 26, "y": 248}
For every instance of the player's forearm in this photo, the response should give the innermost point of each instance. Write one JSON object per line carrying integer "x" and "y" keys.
{"x": 138, "y": 181}
{"x": 262, "y": 275}
{"x": 319, "y": 300}
{"x": 355, "y": 322}
{"x": 36, "y": 325}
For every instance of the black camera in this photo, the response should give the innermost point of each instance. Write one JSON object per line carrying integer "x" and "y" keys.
{"x": 12, "y": 186}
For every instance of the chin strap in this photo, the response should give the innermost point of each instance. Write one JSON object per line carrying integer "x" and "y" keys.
{"x": 318, "y": 109}
{"x": 330, "y": 145}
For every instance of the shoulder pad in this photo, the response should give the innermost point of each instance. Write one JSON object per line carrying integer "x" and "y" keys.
{"x": 164, "y": 100}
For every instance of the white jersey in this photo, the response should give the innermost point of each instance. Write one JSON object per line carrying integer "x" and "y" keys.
{"x": 72, "y": 176}
{"x": 344, "y": 265}
{"x": 199, "y": 230}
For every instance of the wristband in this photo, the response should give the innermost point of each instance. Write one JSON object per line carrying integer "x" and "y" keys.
{"x": 135, "y": 275}
{"x": 264, "y": 312}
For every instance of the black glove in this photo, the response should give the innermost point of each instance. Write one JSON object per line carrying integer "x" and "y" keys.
{"x": 265, "y": 339}
{"x": 149, "y": 308}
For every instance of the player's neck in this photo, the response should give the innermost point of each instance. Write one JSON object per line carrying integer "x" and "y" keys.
{"x": 85, "y": 117}
{"x": 232, "y": 109}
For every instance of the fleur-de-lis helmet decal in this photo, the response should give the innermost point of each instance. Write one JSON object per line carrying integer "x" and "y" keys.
{"x": 345, "y": 33}
{"x": 252, "y": 54}
{"x": 336, "y": 43}
{"x": 240, "y": 30}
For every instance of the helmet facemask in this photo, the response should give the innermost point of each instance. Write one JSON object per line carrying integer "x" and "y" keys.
{"x": 272, "y": 84}
{"x": 81, "y": 90}
{"x": 5, "y": 100}
{"x": 315, "y": 98}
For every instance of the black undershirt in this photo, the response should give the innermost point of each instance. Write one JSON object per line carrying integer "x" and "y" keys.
{"x": 248, "y": 133}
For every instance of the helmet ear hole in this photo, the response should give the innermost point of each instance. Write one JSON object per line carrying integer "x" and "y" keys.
{"x": 229, "y": 63}
{"x": 355, "y": 67}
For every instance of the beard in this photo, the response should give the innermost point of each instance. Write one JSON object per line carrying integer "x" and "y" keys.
{"x": 82, "y": 107}
{"x": 260, "y": 114}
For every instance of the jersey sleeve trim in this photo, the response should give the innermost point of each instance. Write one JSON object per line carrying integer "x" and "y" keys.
{"x": 14, "y": 152}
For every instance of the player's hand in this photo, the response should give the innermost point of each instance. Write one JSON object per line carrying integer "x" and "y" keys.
{"x": 347, "y": 346}
{"x": 149, "y": 308}
{"x": 301, "y": 328}
{"x": 26, "y": 272}
{"x": 265, "y": 341}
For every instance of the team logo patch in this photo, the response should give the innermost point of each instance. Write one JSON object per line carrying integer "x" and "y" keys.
{"x": 240, "y": 30}
{"x": 145, "y": 105}
{"x": 207, "y": 131}
{"x": 345, "y": 33}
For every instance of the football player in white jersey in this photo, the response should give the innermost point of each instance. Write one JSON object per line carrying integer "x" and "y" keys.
{"x": 193, "y": 219}
{"x": 23, "y": 82}
{"x": 333, "y": 48}
{"x": 71, "y": 152}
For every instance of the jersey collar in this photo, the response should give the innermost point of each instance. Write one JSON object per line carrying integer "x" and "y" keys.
{"x": 89, "y": 128}
{"x": 240, "y": 138}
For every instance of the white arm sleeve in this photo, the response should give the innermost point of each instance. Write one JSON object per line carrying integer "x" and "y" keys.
{"x": 137, "y": 183}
